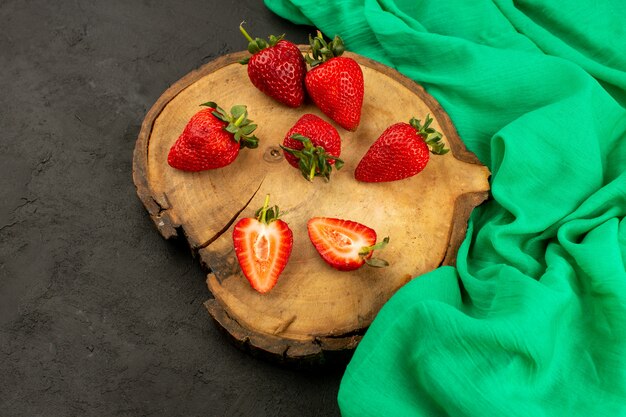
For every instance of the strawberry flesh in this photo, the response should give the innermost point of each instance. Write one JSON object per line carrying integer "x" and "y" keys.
{"x": 262, "y": 251}
{"x": 263, "y": 246}
{"x": 339, "y": 242}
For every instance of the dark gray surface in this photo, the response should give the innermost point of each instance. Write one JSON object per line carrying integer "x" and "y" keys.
{"x": 99, "y": 316}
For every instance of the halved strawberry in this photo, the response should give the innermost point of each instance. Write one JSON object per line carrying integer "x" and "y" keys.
{"x": 263, "y": 246}
{"x": 345, "y": 244}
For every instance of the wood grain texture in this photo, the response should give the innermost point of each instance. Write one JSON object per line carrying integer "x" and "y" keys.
{"x": 313, "y": 309}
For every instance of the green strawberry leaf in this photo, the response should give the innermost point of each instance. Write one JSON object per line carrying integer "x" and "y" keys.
{"x": 320, "y": 50}
{"x": 251, "y": 142}
{"x": 237, "y": 124}
{"x": 248, "y": 128}
{"x": 313, "y": 161}
{"x": 231, "y": 128}
{"x": 375, "y": 262}
{"x": 267, "y": 214}
{"x": 257, "y": 44}
{"x": 431, "y": 136}
{"x": 237, "y": 111}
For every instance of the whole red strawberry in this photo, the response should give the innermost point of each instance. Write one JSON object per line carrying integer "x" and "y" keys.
{"x": 403, "y": 150}
{"x": 313, "y": 145}
{"x": 263, "y": 246}
{"x": 345, "y": 244}
{"x": 276, "y": 68}
{"x": 212, "y": 139}
{"x": 335, "y": 83}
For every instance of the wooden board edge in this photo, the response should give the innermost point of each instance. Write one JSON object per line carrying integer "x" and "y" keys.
{"x": 293, "y": 353}
{"x": 320, "y": 350}
{"x": 463, "y": 207}
{"x": 157, "y": 205}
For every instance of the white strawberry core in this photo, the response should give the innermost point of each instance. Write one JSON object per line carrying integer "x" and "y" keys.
{"x": 338, "y": 237}
{"x": 262, "y": 247}
{"x": 264, "y": 239}
{"x": 348, "y": 244}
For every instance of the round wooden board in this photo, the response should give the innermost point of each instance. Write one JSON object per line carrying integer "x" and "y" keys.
{"x": 314, "y": 310}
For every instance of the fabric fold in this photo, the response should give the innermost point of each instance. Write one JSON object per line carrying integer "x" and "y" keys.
{"x": 532, "y": 321}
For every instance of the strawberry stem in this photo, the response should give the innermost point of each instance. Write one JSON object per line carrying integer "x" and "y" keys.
{"x": 313, "y": 160}
{"x": 321, "y": 51}
{"x": 240, "y": 119}
{"x": 267, "y": 214}
{"x": 266, "y": 205}
{"x": 244, "y": 33}
{"x": 238, "y": 124}
{"x": 431, "y": 136}
{"x": 375, "y": 262}
{"x": 257, "y": 44}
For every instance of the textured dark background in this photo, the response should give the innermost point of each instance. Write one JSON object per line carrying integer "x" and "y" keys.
{"x": 100, "y": 316}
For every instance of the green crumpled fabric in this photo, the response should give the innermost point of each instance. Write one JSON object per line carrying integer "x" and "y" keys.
{"x": 532, "y": 321}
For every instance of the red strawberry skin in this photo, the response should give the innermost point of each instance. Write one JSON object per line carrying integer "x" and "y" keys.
{"x": 319, "y": 131}
{"x": 279, "y": 71}
{"x": 204, "y": 144}
{"x": 336, "y": 88}
{"x": 339, "y": 241}
{"x": 400, "y": 152}
{"x": 262, "y": 251}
